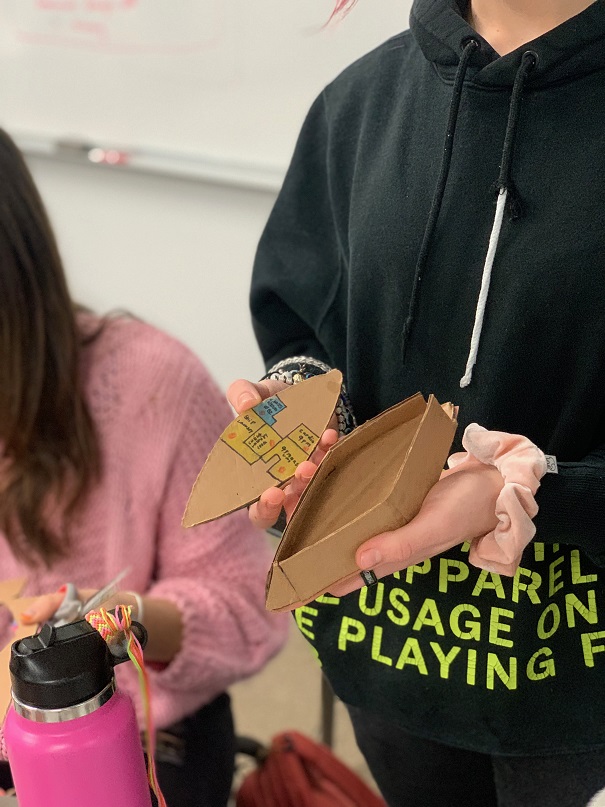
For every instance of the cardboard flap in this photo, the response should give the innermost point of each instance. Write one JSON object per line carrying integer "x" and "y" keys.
{"x": 371, "y": 455}
{"x": 279, "y": 587}
{"x": 9, "y": 589}
{"x": 310, "y": 571}
{"x": 262, "y": 448}
{"x": 431, "y": 446}
{"x": 372, "y": 481}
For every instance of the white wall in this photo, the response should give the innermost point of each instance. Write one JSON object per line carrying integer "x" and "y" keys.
{"x": 177, "y": 253}
{"x": 202, "y": 80}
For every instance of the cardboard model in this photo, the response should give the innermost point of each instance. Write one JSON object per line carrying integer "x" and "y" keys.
{"x": 9, "y": 597}
{"x": 262, "y": 448}
{"x": 373, "y": 480}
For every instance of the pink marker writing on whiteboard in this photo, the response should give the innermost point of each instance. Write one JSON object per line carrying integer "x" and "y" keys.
{"x": 108, "y": 156}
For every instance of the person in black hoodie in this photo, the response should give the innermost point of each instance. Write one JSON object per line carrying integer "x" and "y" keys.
{"x": 441, "y": 229}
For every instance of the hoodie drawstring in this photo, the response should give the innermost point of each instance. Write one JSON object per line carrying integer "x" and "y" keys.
{"x": 471, "y": 46}
{"x": 507, "y": 198}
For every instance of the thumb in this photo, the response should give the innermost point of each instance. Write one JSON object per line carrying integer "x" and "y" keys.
{"x": 243, "y": 394}
{"x": 397, "y": 547}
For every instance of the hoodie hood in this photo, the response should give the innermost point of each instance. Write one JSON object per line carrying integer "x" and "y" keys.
{"x": 457, "y": 51}
{"x": 462, "y": 221}
{"x": 573, "y": 49}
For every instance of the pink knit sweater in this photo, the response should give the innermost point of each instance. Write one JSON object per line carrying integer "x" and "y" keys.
{"x": 158, "y": 414}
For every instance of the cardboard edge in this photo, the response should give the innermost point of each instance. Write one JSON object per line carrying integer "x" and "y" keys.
{"x": 331, "y": 458}
{"x": 296, "y": 600}
{"x": 430, "y": 408}
{"x": 387, "y": 500}
{"x": 292, "y": 606}
{"x": 349, "y": 525}
{"x": 279, "y": 588}
{"x": 444, "y": 421}
{"x": 446, "y": 417}
{"x": 188, "y": 523}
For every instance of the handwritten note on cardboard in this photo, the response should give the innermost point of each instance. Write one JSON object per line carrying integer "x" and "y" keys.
{"x": 262, "y": 448}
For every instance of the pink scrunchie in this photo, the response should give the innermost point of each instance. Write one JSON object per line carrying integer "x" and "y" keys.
{"x": 522, "y": 466}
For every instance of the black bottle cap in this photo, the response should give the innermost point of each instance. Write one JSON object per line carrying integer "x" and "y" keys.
{"x": 61, "y": 667}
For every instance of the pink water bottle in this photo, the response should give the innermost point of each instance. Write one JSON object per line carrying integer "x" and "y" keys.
{"x": 72, "y": 740}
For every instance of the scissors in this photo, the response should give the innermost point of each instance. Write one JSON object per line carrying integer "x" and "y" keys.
{"x": 72, "y": 608}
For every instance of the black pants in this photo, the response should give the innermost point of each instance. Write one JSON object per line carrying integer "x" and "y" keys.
{"x": 413, "y": 772}
{"x": 195, "y": 759}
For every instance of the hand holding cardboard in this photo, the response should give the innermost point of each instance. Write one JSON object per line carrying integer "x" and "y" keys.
{"x": 263, "y": 447}
{"x": 373, "y": 480}
{"x": 265, "y": 512}
{"x": 460, "y": 507}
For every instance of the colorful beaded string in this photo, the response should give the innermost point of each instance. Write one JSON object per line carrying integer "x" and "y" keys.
{"x": 114, "y": 628}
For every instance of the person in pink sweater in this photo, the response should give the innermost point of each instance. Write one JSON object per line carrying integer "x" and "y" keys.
{"x": 105, "y": 423}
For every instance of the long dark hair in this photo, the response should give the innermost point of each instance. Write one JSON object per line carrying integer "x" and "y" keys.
{"x": 49, "y": 452}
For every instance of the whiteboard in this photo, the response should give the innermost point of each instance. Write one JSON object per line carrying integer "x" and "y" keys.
{"x": 181, "y": 81}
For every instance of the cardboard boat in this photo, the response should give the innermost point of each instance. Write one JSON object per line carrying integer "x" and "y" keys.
{"x": 373, "y": 480}
{"x": 262, "y": 448}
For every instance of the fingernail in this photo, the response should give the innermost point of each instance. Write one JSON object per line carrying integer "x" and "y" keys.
{"x": 62, "y": 590}
{"x": 369, "y": 559}
{"x": 27, "y": 616}
{"x": 245, "y": 401}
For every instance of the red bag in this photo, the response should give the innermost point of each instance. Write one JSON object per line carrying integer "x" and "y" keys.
{"x": 298, "y": 772}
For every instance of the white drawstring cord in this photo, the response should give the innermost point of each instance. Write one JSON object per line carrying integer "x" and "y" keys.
{"x": 483, "y": 294}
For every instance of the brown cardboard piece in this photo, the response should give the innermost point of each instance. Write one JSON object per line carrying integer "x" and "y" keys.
{"x": 373, "y": 480}
{"x": 262, "y": 448}
{"x": 9, "y": 591}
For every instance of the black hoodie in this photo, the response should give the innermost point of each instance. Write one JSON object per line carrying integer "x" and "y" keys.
{"x": 374, "y": 260}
